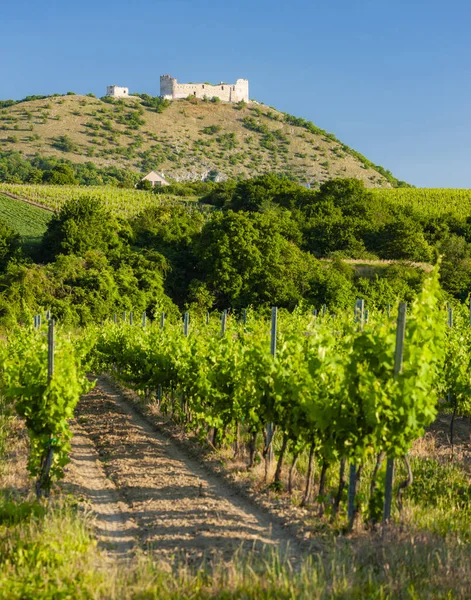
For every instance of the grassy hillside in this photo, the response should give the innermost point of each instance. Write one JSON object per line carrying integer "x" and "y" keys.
{"x": 187, "y": 141}
{"x": 27, "y": 220}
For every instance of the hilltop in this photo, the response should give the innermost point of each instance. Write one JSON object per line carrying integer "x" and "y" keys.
{"x": 185, "y": 139}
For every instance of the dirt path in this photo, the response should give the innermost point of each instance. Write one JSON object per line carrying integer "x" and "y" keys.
{"x": 146, "y": 489}
{"x": 86, "y": 479}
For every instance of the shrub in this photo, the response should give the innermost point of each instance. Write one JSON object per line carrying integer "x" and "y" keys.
{"x": 64, "y": 143}
{"x": 211, "y": 129}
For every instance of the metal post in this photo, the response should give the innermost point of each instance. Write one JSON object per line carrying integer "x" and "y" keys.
{"x": 361, "y": 311}
{"x": 324, "y": 310}
{"x": 223, "y": 322}
{"x": 314, "y": 312}
{"x": 274, "y": 319}
{"x": 50, "y": 351}
{"x": 48, "y": 315}
{"x": 207, "y": 317}
{"x": 39, "y": 320}
{"x": 186, "y": 322}
{"x": 244, "y": 316}
{"x": 270, "y": 428}
{"x": 389, "y": 310}
{"x": 124, "y": 316}
{"x": 162, "y": 320}
{"x": 352, "y": 477}
{"x": 115, "y": 318}
{"x": 359, "y": 318}
{"x": 131, "y": 318}
{"x": 144, "y": 319}
{"x": 398, "y": 357}
{"x": 450, "y": 316}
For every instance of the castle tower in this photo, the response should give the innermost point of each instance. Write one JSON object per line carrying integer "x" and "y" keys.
{"x": 167, "y": 87}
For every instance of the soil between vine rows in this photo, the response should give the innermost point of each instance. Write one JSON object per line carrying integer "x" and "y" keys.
{"x": 146, "y": 492}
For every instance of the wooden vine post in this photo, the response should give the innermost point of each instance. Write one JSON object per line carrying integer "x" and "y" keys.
{"x": 398, "y": 358}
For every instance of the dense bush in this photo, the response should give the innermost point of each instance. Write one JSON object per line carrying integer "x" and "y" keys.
{"x": 14, "y": 168}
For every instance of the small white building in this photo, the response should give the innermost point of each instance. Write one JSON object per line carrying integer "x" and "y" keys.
{"x": 117, "y": 92}
{"x": 155, "y": 179}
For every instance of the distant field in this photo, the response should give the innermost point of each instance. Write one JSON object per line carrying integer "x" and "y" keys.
{"x": 27, "y": 220}
{"x": 428, "y": 201}
{"x": 122, "y": 202}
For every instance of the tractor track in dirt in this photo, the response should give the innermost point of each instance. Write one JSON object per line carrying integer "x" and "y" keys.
{"x": 145, "y": 491}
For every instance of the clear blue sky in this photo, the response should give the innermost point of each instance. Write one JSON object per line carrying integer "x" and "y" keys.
{"x": 391, "y": 78}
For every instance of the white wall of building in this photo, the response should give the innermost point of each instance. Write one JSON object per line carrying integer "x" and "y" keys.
{"x": 227, "y": 92}
{"x": 117, "y": 92}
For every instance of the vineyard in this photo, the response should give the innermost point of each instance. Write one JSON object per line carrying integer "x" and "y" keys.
{"x": 124, "y": 203}
{"x": 329, "y": 407}
{"x": 331, "y": 386}
{"x": 428, "y": 202}
{"x": 29, "y": 221}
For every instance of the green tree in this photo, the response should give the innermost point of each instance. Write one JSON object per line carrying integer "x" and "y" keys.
{"x": 455, "y": 271}
{"x": 9, "y": 245}
{"x": 83, "y": 225}
{"x": 145, "y": 185}
{"x": 61, "y": 174}
{"x": 244, "y": 259}
{"x": 258, "y": 193}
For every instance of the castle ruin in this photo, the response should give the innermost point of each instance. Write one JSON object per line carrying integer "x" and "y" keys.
{"x": 170, "y": 89}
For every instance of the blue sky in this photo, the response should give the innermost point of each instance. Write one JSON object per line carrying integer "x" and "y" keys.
{"x": 391, "y": 78}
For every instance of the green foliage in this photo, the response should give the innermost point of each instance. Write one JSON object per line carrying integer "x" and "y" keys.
{"x": 65, "y": 143}
{"x": 9, "y": 244}
{"x": 155, "y": 102}
{"x": 245, "y": 259}
{"x": 211, "y": 129}
{"x": 46, "y": 406}
{"x": 330, "y": 384}
{"x": 60, "y": 175}
{"x": 80, "y": 226}
{"x": 258, "y": 193}
{"x": 145, "y": 185}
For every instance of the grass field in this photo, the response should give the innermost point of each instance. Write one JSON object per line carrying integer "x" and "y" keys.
{"x": 27, "y": 220}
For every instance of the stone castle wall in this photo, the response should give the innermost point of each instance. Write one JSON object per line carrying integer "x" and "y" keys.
{"x": 117, "y": 92}
{"x": 172, "y": 90}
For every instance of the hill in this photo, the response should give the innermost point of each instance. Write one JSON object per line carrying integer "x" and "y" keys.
{"x": 186, "y": 139}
